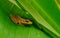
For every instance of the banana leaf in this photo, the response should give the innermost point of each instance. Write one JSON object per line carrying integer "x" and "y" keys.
{"x": 43, "y": 13}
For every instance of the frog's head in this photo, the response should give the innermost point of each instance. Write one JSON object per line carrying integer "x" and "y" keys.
{"x": 26, "y": 22}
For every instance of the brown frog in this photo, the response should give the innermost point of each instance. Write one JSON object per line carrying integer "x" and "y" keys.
{"x": 19, "y": 20}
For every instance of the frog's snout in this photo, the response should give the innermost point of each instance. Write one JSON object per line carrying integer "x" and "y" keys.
{"x": 27, "y": 22}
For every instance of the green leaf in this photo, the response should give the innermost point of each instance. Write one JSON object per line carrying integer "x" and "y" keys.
{"x": 10, "y": 30}
{"x": 31, "y": 6}
{"x": 43, "y": 14}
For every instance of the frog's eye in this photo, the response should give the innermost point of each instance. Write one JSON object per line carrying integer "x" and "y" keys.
{"x": 18, "y": 23}
{"x": 27, "y": 21}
